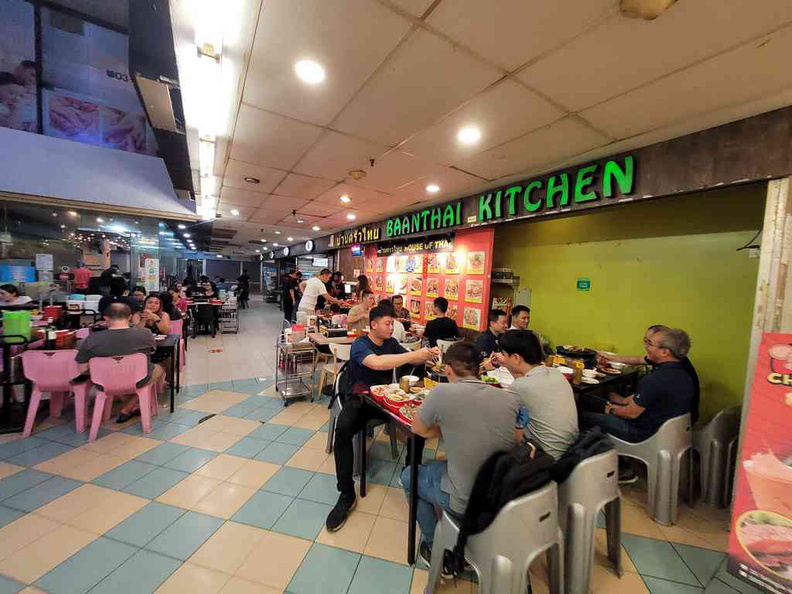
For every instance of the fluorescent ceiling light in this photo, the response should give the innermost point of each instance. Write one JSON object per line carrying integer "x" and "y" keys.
{"x": 208, "y": 185}
{"x": 186, "y": 235}
{"x": 263, "y": 241}
{"x": 206, "y": 154}
{"x": 351, "y": 217}
{"x": 277, "y": 232}
{"x": 469, "y": 135}
{"x": 73, "y": 213}
{"x": 346, "y": 199}
{"x": 182, "y": 226}
{"x": 316, "y": 228}
{"x": 290, "y": 239}
{"x": 219, "y": 255}
{"x": 99, "y": 220}
{"x": 309, "y": 71}
{"x": 235, "y": 212}
{"x": 433, "y": 188}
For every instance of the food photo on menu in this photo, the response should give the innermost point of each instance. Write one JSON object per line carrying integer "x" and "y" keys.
{"x": 402, "y": 263}
{"x": 416, "y": 285}
{"x": 451, "y": 289}
{"x": 415, "y": 308}
{"x": 378, "y": 283}
{"x": 380, "y": 264}
{"x": 391, "y": 264}
{"x": 432, "y": 287}
{"x": 369, "y": 266}
{"x": 429, "y": 310}
{"x": 452, "y": 311}
{"x": 71, "y": 118}
{"x": 123, "y": 130}
{"x": 474, "y": 291}
{"x": 475, "y": 263}
{"x": 451, "y": 263}
{"x": 471, "y": 318}
{"x": 433, "y": 263}
{"x": 401, "y": 284}
{"x": 389, "y": 285}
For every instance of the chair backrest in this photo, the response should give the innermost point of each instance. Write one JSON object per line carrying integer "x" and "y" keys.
{"x": 204, "y": 312}
{"x": 119, "y": 375}
{"x": 342, "y": 352}
{"x": 444, "y": 345}
{"x": 50, "y": 370}
{"x": 723, "y": 427}
{"x": 675, "y": 436}
{"x": 593, "y": 483}
{"x": 177, "y": 327}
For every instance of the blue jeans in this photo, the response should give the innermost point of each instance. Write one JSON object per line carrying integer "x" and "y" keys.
{"x": 613, "y": 425}
{"x": 430, "y": 496}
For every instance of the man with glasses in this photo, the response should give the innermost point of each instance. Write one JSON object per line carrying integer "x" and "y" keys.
{"x": 667, "y": 392}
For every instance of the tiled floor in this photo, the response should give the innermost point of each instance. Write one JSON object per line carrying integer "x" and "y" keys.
{"x": 237, "y": 503}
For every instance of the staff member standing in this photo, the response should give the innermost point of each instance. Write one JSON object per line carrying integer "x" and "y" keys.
{"x": 315, "y": 288}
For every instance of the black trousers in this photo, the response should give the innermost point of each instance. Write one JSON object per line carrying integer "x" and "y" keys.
{"x": 288, "y": 310}
{"x": 353, "y": 418}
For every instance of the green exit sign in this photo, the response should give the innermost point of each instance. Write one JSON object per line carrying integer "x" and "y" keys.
{"x": 584, "y": 284}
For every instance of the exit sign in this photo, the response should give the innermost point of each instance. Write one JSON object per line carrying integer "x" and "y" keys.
{"x": 584, "y": 284}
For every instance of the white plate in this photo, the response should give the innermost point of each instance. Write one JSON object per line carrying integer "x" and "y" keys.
{"x": 589, "y": 380}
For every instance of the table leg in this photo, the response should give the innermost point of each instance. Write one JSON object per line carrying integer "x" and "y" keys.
{"x": 361, "y": 437}
{"x": 178, "y": 365}
{"x": 416, "y": 445}
{"x": 173, "y": 380}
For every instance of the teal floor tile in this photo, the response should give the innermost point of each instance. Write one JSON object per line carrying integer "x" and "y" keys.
{"x": 191, "y": 460}
{"x": 86, "y": 568}
{"x": 268, "y": 431}
{"x": 162, "y": 453}
{"x": 718, "y": 587}
{"x": 147, "y": 523}
{"x": 155, "y": 483}
{"x": 169, "y": 431}
{"x": 21, "y": 481}
{"x": 142, "y": 573}
{"x": 251, "y": 385}
{"x": 40, "y": 454}
{"x": 656, "y": 558}
{"x": 325, "y": 428}
{"x": 243, "y": 408}
{"x": 702, "y": 562}
{"x": 303, "y": 519}
{"x": 185, "y": 416}
{"x": 8, "y": 515}
{"x": 277, "y": 453}
{"x": 247, "y": 447}
{"x": 182, "y": 538}
{"x": 658, "y": 586}
{"x": 321, "y": 489}
{"x": 9, "y": 586}
{"x": 380, "y": 471}
{"x": 261, "y": 413}
{"x": 295, "y": 436}
{"x": 80, "y": 439}
{"x": 137, "y": 428}
{"x": 263, "y": 509}
{"x": 382, "y": 450}
{"x": 56, "y": 433}
{"x": 124, "y": 475}
{"x": 13, "y": 448}
{"x": 382, "y": 577}
{"x": 226, "y": 386}
{"x": 288, "y": 481}
{"x": 325, "y": 570}
{"x": 41, "y": 494}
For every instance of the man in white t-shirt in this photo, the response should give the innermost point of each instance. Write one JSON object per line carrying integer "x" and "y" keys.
{"x": 315, "y": 288}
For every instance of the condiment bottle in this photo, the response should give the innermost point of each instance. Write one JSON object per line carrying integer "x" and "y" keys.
{"x": 577, "y": 371}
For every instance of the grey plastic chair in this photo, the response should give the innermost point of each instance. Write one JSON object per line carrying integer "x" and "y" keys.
{"x": 502, "y": 554}
{"x": 662, "y": 453}
{"x": 712, "y": 442}
{"x": 593, "y": 484}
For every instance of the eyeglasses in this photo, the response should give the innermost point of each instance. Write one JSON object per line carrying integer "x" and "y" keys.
{"x": 648, "y": 342}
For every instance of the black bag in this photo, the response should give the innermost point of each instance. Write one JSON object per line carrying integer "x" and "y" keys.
{"x": 590, "y": 443}
{"x": 505, "y": 476}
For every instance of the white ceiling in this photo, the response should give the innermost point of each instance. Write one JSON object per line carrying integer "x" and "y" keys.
{"x": 547, "y": 83}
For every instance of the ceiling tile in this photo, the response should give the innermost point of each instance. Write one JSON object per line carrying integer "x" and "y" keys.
{"x": 424, "y": 80}
{"x": 334, "y": 155}
{"x": 452, "y": 183}
{"x": 237, "y": 171}
{"x": 651, "y": 55}
{"x": 358, "y": 196}
{"x": 244, "y": 211}
{"x": 268, "y": 139}
{"x": 747, "y": 73}
{"x": 562, "y": 139}
{"x": 393, "y": 171}
{"x": 512, "y": 32}
{"x": 268, "y": 216}
{"x": 415, "y": 7}
{"x": 504, "y": 112}
{"x": 319, "y": 209}
{"x": 283, "y": 203}
{"x": 302, "y": 186}
{"x": 349, "y": 42}
{"x": 241, "y": 197}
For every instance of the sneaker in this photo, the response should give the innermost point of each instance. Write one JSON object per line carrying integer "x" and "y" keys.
{"x": 627, "y": 476}
{"x": 425, "y": 554}
{"x": 339, "y": 514}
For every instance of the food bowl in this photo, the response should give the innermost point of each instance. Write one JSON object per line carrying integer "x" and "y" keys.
{"x": 411, "y": 379}
{"x": 617, "y": 365}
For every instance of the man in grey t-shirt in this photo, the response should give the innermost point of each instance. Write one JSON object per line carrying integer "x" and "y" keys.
{"x": 475, "y": 421}
{"x": 545, "y": 393}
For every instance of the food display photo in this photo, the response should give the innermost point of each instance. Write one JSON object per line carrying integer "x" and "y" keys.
{"x": 475, "y": 262}
{"x": 432, "y": 287}
{"x": 451, "y": 289}
{"x": 415, "y": 308}
{"x": 471, "y": 318}
{"x": 433, "y": 263}
{"x": 474, "y": 291}
{"x": 451, "y": 263}
{"x": 416, "y": 286}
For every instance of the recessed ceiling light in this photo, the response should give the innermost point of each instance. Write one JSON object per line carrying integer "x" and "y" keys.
{"x": 309, "y": 71}
{"x": 252, "y": 180}
{"x": 351, "y": 217}
{"x": 275, "y": 244}
{"x": 99, "y": 220}
{"x": 73, "y": 213}
{"x": 290, "y": 239}
{"x": 433, "y": 188}
{"x": 469, "y": 135}
{"x": 346, "y": 199}
{"x": 300, "y": 221}
{"x": 277, "y": 232}
{"x": 186, "y": 235}
{"x": 235, "y": 212}
{"x": 258, "y": 251}
{"x": 63, "y": 226}
{"x": 219, "y": 255}
{"x": 316, "y": 228}
{"x": 263, "y": 241}
{"x": 163, "y": 232}
{"x": 182, "y": 226}
{"x": 54, "y": 214}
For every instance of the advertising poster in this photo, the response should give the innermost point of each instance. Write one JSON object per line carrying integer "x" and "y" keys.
{"x": 760, "y": 544}
{"x": 151, "y": 274}
{"x": 17, "y": 67}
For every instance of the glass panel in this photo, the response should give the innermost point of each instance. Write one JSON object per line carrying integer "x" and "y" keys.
{"x": 18, "y": 67}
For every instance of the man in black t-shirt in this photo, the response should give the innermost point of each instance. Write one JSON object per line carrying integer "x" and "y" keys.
{"x": 289, "y": 296}
{"x": 372, "y": 360}
{"x": 442, "y": 327}
{"x": 487, "y": 342}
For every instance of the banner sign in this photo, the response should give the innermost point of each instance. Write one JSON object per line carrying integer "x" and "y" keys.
{"x": 760, "y": 544}
{"x": 438, "y": 244}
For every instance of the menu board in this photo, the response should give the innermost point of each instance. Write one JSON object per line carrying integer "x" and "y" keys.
{"x": 760, "y": 543}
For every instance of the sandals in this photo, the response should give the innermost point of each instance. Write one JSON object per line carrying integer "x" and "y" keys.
{"x": 124, "y": 417}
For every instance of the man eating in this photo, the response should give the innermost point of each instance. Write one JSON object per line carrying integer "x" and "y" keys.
{"x": 441, "y": 327}
{"x": 521, "y": 318}
{"x": 358, "y": 317}
{"x": 488, "y": 341}
{"x": 373, "y": 359}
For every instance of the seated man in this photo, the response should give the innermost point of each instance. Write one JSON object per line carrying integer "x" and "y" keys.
{"x": 441, "y": 327}
{"x": 475, "y": 421}
{"x": 120, "y": 339}
{"x": 358, "y": 317}
{"x": 665, "y": 393}
{"x": 520, "y": 319}
{"x": 544, "y": 391}
{"x": 373, "y": 359}
{"x": 644, "y": 360}
{"x": 402, "y": 313}
{"x": 399, "y": 333}
{"x": 488, "y": 341}
{"x": 119, "y": 293}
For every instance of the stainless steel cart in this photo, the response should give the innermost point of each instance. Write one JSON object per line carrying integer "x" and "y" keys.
{"x": 294, "y": 364}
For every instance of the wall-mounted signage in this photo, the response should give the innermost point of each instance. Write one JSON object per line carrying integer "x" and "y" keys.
{"x": 423, "y": 221}
{"x": 365, "y": 234}
{"x": 583, "y": 284}
{"x": 285, "y": 251}
{"x": 614, "y": 177}
{"x": 357, "y": 250}
{"x": 436, "y": 244}
{"x": 309, "y": 246}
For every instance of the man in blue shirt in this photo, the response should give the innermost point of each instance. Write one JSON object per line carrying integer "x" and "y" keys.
{"x": 372, "y": 362}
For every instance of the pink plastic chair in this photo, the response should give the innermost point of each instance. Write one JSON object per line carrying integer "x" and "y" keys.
{"x": 83, "y": 333}
{"x": 119, "y": 376}
{"x": 54, "y": 372}
{"x": 177, "y": 327}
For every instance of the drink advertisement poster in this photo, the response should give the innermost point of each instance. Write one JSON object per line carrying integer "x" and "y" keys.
{"x": 760, "y": 544}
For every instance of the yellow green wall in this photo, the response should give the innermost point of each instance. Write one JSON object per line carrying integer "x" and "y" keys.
{"x": 668, "y": 261}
